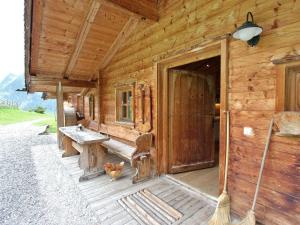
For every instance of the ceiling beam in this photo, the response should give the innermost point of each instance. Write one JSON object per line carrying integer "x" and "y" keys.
{"x": 52, "y": 95}
{"x": 85, "y": 28}
{"x": 43, "y": 88}
{"x": 84, "y": 92}
{"x": 144, "y": 8}
{"x": 64, "y": 82}
{"x": 119, "y": 41}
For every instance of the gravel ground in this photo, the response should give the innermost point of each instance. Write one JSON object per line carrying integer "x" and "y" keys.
{"x": 34, "y": 187}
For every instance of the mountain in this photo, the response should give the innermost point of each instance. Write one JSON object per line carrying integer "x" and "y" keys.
{"x": 8, "y": 86}
{"x": 10, "y": 81}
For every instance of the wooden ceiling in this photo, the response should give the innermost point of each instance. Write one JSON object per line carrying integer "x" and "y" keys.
{"x": 72, "y": 40}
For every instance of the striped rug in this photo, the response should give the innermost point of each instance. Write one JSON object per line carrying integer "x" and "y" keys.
{"x": 146, "y": 208}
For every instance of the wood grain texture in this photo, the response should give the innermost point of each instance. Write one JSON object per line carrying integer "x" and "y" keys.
{"x": 292, "y": 89}
{"x": 120, "y": 39}
{"x": 191, "y": 115}
{"x": 39, "y": 80}
{"x": 86, "y": 107}
{"x": 143, "y": 104}
{"x": 36, "y": 30}
{"x": 252, "y": 82}
{"x": 59, "y": 112}
{"x": 84, "y": 30}
{"x": 145, "y": 8}
{"x": 71, "y": 38}
{"x": 60, "y": 25}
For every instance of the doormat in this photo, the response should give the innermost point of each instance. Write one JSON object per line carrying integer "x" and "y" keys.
{"x": 148, "y": 209}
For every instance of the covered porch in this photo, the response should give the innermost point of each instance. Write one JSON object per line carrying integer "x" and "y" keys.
{"x": 153, "y": 80}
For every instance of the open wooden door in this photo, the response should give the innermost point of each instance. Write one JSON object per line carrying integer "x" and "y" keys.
{"x": 191, "y": 119}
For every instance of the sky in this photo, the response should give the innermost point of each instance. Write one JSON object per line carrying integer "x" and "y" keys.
{"x": 11, "y": 37}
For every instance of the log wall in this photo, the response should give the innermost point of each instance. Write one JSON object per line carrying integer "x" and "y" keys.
{"x": 252, "y": 90}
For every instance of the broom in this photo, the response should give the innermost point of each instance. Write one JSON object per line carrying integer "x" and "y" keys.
{"x": 250, "y": 218}
{"x": 221, "y": 215}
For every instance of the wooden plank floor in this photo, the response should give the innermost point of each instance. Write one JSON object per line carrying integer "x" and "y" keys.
{"x": 103, "y": 194}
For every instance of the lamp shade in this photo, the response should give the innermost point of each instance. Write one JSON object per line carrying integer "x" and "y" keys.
{"x": 248, "y": 30}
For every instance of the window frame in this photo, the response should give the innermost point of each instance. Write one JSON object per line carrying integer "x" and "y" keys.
{"x": 119, "y": 91}
{"x": 281, "y": 85}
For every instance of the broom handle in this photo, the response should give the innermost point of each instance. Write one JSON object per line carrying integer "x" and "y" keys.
{"x": 227, "y": 151}
{"x": 262, "y": 164}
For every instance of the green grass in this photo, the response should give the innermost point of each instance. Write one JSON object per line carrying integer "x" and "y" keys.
{"x": 11, "y": 116}
{"x": 50, "y": 121}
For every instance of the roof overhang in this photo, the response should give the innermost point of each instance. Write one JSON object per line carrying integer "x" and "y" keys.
{"x": 72, "y": 41}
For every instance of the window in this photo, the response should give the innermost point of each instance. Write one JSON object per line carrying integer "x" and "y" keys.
{"x": 91, "y": 107}
{"x": 292, "y": 89}
{"x": 80, "y": 104}
{"x": 288, "y": 88}
{"x": 124, "y": 104}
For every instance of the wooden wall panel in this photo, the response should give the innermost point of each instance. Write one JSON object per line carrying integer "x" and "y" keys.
{"x": 252, "y": 90}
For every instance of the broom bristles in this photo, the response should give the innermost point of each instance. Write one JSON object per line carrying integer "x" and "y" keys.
{"x": 249, "y": 219}
{"x": 221, "y": 215}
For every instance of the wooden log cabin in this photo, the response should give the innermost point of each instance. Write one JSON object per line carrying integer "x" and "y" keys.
{"x": 172, "y": 67}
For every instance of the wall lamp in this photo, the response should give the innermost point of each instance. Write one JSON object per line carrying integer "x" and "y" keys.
{"x": 249, "y": 31}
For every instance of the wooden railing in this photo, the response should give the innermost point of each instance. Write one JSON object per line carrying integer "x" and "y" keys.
{"x": 5, "y": 103}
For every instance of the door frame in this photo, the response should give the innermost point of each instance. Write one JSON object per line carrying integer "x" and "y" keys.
{"x": 205, "y": 51}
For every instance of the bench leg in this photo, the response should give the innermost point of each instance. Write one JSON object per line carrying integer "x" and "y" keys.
{"x": 143, "y": 170}
{"x": 89, "y": 174}
{"x": 69, "y": 150}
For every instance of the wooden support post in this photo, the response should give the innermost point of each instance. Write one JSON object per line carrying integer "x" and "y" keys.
{"x": 59, "y": 112}
{"x": 143, "y": 169}
{"x": 99, "y": 100}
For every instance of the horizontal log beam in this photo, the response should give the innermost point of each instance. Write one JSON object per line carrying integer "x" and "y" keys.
{"x": 52, "y": 95}
{"x": 286, "y": 59}
{"x": 64, "y": 82}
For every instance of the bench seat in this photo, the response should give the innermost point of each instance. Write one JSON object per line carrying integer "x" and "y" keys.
{"x": 138, "y": 156}
{"x": 116, "y": 147}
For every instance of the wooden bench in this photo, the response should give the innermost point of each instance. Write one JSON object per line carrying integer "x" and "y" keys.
{"x": 138, "y": 156}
